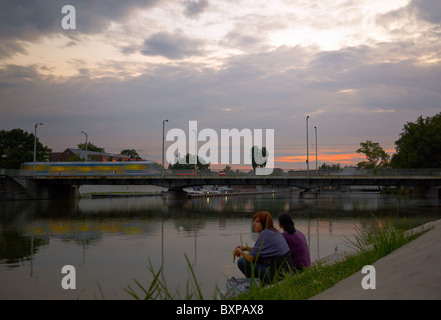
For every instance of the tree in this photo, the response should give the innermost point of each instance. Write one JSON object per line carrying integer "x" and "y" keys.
{"x": 258, "y": 157}
{"x": 419, "y": 145}
{"x": 17, "y": 146}
{"x": 90, "y": 147}
{"x": 325, "y": 166}
{"x": 131, "y": 153}
{"x": 375, "y": 155}
{"x": 179, "y": 165}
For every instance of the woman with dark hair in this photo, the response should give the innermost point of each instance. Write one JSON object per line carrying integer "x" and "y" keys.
{"x": 298, "y": 247}
{"x": 270, "y": 254}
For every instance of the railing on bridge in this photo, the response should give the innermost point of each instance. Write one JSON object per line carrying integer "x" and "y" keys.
{"x": 222, "y": 173}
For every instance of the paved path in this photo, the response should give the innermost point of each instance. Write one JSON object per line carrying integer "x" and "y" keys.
{"x": 411, "y": 272}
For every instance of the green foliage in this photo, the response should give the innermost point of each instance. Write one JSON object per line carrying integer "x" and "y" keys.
{"x": 375, "y": 155}
{"x": 90, "y": 147}
{"x": 419, "y": 145}
{"x": 131, "y": 153}
{"x": 179, "y": 165}
{"x": 158, "y": 289}
{"x": 17, "y": 146}
{"x": 325, "y": 166}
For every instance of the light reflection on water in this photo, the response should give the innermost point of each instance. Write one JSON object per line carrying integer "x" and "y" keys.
{"x": 111, "y": 241}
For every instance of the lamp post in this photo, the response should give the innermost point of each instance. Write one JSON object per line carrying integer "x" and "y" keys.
{"x": 316, "y": 163}
{"x": 195, "y": 150}
{"x": 163, "y": 124}
{"x": 87, "y": 156}
{"x": 307, "y": 148}
{"x": 35, "y": 145}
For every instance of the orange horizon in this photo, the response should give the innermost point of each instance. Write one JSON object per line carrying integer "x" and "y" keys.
{"x": 284, "y": 162}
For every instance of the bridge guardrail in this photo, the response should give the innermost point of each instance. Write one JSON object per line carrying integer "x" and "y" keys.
{"x": 246, "y": 173}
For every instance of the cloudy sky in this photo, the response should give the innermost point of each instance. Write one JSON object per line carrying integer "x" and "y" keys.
{"x": 360, "y": 69}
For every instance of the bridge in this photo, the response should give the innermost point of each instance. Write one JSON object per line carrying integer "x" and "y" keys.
{"x": 54, "y": 186}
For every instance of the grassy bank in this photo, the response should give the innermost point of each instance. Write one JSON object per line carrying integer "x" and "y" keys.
{"x": 369, "y": 246}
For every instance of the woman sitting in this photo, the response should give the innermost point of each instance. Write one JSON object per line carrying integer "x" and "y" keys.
{"x": 270, "y": 255}
{"x": 298, "y": 246}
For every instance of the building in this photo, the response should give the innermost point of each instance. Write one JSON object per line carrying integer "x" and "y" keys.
{"x": 71, "y": 154}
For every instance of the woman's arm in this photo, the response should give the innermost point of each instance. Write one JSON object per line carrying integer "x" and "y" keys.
{"x": 240, "y": 252}
{"x": 244, "y": 248}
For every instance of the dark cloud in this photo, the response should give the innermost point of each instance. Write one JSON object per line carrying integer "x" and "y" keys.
{"x": 429, "y": 10}
{"x": 172, "y": 46}
{"x": 23, "y": 20}
{"x": 194, "y": 8}
{"x": 242, "y": 41}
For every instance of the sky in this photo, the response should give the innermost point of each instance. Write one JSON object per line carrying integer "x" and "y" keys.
{"x": 360, "y": 69}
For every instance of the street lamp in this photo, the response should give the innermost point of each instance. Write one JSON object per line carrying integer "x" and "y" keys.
{"x": 195, "y": 150}
{"x": 87, "y": 156}
{"x": 35, "y": 145}
{"x": 163, "y": 124}
{"x": 316, "y": 163}
{"x": 307, "y": 148}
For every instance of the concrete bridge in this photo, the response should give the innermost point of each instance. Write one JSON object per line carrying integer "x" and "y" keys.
{"x": 54, "y": 187}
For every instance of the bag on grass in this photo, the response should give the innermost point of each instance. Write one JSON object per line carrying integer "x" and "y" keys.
{"x": 238, "y": 286}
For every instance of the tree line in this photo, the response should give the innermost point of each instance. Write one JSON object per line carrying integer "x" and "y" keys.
{"x": 17, "y": 146}
{"x": 418, "y": 146}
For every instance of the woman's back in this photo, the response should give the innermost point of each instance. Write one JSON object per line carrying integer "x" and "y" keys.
{"x": 298, "y": 248}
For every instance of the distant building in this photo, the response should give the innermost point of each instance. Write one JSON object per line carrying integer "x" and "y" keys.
{"x": 71, "y": 154}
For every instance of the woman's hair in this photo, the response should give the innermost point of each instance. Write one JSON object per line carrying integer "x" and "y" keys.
{"x": 286, "y": 221}
{"x": 265, "y": 219}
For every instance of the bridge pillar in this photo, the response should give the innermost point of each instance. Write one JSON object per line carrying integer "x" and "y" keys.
{"x": 433, "y": 192}
{"x": 308, "y": 194}
{"x": 175, "y": 194}
{"x": 38, "y": 190}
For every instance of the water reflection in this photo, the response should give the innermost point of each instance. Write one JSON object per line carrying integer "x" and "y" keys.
{"x": 113, "y": 240}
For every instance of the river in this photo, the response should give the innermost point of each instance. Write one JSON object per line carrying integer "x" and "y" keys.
{"x": 112, "y": 241}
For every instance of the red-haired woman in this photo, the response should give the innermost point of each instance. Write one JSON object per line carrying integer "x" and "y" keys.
{"x": 270, "y": 254}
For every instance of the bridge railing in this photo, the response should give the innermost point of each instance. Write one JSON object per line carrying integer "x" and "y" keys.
{"x": 11, "y": 172}
{"x": 239, "y": 173}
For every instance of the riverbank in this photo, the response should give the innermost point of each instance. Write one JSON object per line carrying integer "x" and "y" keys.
{"x": 411, "y": 272}
{"x": 406, "y": 267}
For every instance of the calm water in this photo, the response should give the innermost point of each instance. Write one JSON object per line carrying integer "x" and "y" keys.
{"x": 111, "y": 241}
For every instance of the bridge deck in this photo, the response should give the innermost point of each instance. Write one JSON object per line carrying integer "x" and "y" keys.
{"x": 293, "y": 181}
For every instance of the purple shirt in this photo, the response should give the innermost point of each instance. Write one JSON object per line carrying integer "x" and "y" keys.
{"x": 270, "y": 243}
{"x": 298, "y": 247}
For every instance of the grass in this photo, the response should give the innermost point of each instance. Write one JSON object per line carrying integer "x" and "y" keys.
{"x": 158, "y": 289}
{"x": 370, "y": 245}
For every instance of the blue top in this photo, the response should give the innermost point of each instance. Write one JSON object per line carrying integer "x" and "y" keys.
{"x": 270, "y": 243}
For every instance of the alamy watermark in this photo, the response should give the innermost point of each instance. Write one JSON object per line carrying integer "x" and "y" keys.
{"x": 217, "y": 150}
{"x": 368, "y": 21}
{"x": 69, "y": 280}
{"x": 369, "y": 280}
{"x": 69, "y": 21}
